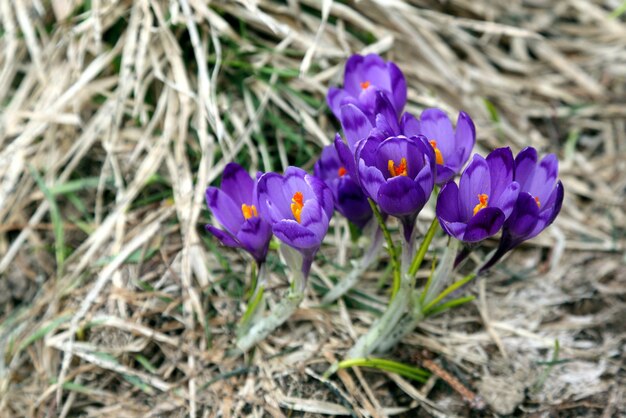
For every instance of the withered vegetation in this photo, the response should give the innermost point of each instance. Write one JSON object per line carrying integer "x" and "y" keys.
{"x": 116, "y": 115}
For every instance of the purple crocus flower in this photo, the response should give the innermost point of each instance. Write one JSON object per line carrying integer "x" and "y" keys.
{"x": 349, "y": 198}
{"x": 363, "y": 77}
{"x": 484, "y": 199}
{"x": 398, "y": 173}
{"x": 538, "y": 203}
{"x": 452, "y": 148}
{"x": 235, "y": 208}
{"x": 358, "y": 126}
{"x": 299, "y": 207}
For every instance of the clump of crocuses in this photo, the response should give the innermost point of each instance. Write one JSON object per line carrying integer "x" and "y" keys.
{"x": 386, "y": 164}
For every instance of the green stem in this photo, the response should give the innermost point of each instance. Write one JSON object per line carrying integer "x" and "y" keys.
{"x": 382, "y": 327}
{"x": 254, "y": 281}
{"x": 253, "y": 304}
{"x": 421, "y": 252}
{"x": 450, "y": 304}
{"x": 454, "y": 286}
{"x": 254, "y": 299}
{"x": 429, "y": 282}
{"x": 387, "y": 365}
{"x": 442, "y": 273}
{"x": 403, "y": 327}
{"x": 393, "y": 253}
{"x": 264, "y": 326}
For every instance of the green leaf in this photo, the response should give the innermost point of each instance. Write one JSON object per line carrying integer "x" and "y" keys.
{"x": 402, "y": 369}
{"x": 42, "y": 331}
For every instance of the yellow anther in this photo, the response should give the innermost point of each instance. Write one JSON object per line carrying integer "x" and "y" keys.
{"x": 482, "y": 199}
{"x": 249, "y": 211}
{"x": 365, "y": 84}
{"x": 397, "y": 170}
{"x": 297, "y": 203}
{"x": 438, "y": 156}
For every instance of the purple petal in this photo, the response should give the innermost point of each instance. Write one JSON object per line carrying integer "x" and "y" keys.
{"x": 475, "y": 180}
{"x": 454, "y": 229}
{"x": 444, "y": 174}
{"x": 398, "y": 87}
{"x": 237, "y": 183}
{"x": 409, "y": 125}
{"x": 371, "y": 179}
{"x": 335, "y": 99}
{"x": 227, "y": 213}
{"x": 437, "y": 127}
{"x": 224, "y": 237}
{"x": 395, "y": 149}
{"x": 525, "y": 164}
{"x": 425, "y": 179}
{"x": 254, "y": 236}
{"x": 524, "y": 218}
{"x": 274, "y": 203}
{"x": 314, "y": 218}
{"x": 346, "y": 157}
{"x": 546, "y": 172}
{"x": 367, "y": 150}
{"x": 356, "y": 126}
{"x": 367, "y": 100}
{"x": 547, "y": 216}
{"x": 485, "y": 223}
{"x": 506, "y": 200}
{"x": 295, "y": 235}
{"x": 465, "y": 138}
{"x": 327, "y": 167}
{"x": 558, "y": 201}
{"x": 429, "y": 160}
{"x": 400, "y": 196}
{"x": 501, "y": 168}
{"x": 386, "y": 115}
{"x": 375, "y": 71}
{"x": 352, "y": 203}
{"x": 294, "y": 180}
{"x": 447, "y": 208}
{"x": 323, "y": 195}
{"x": 354, "y": 75}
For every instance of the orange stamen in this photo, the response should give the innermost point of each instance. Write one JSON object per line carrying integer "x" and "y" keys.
{"x": 483, "y": 199}
{"x": 342, "y": 171}
{"x": 538, "y": 202}
{"x": 397, "y": 170}
{"x": 438, "y": 156}
{"x": 365, "y": 84}
{"x": 249, "y": 211}
{"x": 297, "y": 202}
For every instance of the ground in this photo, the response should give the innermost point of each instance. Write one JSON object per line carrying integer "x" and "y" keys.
{"x": 117, "y": 115}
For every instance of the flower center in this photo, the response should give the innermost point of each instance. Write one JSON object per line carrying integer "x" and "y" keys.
{"x": 249, "y": 211}
{"x": 538, "y": 202}
{"x": 296, "y": 205}
{"x": 397, "y": 170}
{"x": 342, "y": 171}
{"x": 365, "y": 84}
{"x": 438, "y": 156}
{"x": 482, "y": 199}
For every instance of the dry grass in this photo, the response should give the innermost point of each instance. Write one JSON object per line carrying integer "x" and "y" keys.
{"x": 117, "y": 115}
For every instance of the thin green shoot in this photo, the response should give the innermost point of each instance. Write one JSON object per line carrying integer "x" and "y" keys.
{"x": 402, "y": 369}
{"x": 391, "y": 248}
{"x": 454, "y": 286}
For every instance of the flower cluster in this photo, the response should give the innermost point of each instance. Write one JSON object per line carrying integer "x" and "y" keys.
{"x": 389, "y": 163}
{"x": 397, "y": 158}
{"x": 296, "y": 207}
